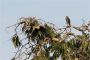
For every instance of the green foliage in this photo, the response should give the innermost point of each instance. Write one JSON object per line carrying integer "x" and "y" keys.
{"x": 46, "y": 40}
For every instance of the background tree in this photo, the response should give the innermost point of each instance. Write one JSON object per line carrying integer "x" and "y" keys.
{"x": 36, "y": 39}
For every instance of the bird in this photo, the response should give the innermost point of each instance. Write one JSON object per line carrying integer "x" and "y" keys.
{"x": 68, "y": 22}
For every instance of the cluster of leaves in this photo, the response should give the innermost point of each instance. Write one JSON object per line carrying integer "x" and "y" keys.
{"x": 16, "y": 41}
{"x": 78, "y": 47}
{"x": 44, "y": 38}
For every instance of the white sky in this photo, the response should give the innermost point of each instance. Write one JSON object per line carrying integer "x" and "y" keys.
{"x": 50, "y": 10}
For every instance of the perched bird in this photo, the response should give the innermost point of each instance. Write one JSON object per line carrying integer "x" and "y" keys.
{"x": 68, "y": 22}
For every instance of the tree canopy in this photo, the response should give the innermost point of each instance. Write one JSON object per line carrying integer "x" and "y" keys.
{"x": 36, "y": 39}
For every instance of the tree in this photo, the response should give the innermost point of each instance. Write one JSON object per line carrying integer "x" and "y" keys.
{"x": 36, "y": 39}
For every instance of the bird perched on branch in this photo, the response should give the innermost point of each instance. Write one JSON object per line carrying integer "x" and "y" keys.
{"x": 68, "y": 22}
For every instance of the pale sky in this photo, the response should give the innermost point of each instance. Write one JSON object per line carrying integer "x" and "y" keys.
{"x": 49, "y": 10}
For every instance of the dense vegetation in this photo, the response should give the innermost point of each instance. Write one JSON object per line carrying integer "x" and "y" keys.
{"x": 36, "y": 39}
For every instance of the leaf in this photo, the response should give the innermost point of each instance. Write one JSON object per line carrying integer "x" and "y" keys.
{"x": 15, "y": 41}
{"x": 29, "y": 30}
{"x": 49, "y": 31}
{"x": 78, "y": 43}
{"x": 35, "y": 22}
{"x": 42, "y": 30}
{"x": 34, "y": 33}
